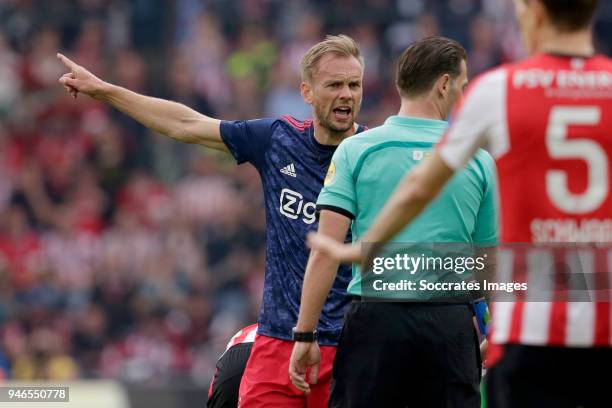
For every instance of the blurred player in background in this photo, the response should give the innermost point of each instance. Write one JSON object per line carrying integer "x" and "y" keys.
{"x": 548, "y": 123}
{"x": 225, "y": 384}
{"x": 292, "y": 158}
{"x": 395, "y": 346}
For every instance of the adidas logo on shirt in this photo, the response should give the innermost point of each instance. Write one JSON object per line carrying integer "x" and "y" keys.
{"x": 289, "y": 170}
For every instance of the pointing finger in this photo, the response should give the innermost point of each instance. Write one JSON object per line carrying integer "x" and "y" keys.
{"x": 67, "y": 61}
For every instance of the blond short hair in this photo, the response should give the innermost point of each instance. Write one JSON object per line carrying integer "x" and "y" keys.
{"x": 341, "y": 45}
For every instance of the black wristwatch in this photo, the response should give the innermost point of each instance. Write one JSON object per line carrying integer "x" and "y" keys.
{"x": 305, "y": 337}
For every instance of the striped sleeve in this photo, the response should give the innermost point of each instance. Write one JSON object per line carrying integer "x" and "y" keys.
{"x": 480, "y": 122}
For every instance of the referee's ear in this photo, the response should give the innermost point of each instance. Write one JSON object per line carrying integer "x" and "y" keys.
{"x": 443, "y": 85}
{"x": 306, "y": 91}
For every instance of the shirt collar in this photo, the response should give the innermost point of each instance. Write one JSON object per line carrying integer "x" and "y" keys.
{"x": 411, "y": 121}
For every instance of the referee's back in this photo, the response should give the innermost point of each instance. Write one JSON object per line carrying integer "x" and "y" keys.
{"x": 367, "y": 168}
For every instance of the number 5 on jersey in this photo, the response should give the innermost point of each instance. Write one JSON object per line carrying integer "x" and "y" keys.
{"x": 589, "y": 151}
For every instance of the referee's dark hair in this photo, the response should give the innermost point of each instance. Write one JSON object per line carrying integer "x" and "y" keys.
{"x": 421, "y": 64}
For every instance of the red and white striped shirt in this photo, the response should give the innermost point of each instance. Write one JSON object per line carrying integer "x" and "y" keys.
{"x": 245, "y": 335}
{"x": 547, "y": 121}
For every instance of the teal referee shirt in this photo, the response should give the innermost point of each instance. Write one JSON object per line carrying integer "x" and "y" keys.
{"x": 364, "y": 172}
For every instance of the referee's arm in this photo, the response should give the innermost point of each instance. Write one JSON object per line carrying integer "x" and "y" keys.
{"x": 320, "y": 271}
{"x": 318, "y": 279}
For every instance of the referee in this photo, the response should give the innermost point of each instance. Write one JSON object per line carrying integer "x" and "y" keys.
{"x": 420, "y": 352}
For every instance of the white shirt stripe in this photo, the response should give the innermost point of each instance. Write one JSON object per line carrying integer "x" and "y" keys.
{"x": 580, "y": 310}
{"x": 250, "y": 338}
{"x": 536, "y": 313}
{"x": 502, "y": 318}
{"x": 501, "y": 310}
{"x": 481, "y": 121}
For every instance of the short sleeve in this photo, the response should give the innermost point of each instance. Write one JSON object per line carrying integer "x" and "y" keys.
{"x": 338, "y": 193}
{"x": 486, "y": 230}
{"x": 247, "y": 140}
{"x": 480, "y": 121}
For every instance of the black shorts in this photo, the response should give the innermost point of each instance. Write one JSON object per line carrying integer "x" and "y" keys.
{"x": 407, "y": 355}
{"x": 534, "y": 377}
{"x": 228, "y": 373}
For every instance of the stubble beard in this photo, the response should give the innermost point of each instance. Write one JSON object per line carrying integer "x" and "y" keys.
{"x": 328, "y": 124}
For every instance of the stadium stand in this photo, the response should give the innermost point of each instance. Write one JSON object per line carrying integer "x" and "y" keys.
{"x": 126, "y": 256}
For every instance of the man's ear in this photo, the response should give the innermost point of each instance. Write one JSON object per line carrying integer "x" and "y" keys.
{"x": 306, "y": 91}
{"x": 443, "y": 84}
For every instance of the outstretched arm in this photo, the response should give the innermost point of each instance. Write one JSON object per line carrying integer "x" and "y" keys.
{"x": 166, "y": 117}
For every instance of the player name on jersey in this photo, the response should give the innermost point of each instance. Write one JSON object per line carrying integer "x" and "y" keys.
{"x": 571, "y": 230}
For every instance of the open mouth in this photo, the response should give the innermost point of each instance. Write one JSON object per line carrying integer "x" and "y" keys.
{"x": 342, "y": 112}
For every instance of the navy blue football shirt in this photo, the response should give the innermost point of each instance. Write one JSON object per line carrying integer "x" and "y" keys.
{"x": 292, "y": 166}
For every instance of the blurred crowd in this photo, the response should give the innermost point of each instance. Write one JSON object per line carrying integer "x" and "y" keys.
{"x": 124, "y": 254}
